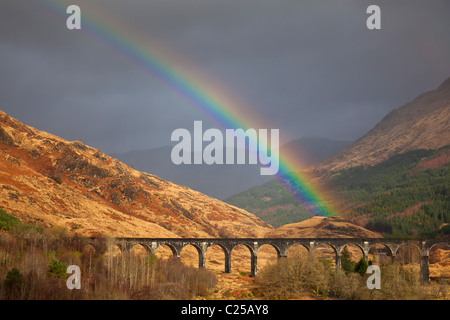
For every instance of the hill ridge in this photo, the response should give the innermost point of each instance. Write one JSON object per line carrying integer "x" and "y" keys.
{"x": 50, "y": 182}
{"x": 419, "y": 124}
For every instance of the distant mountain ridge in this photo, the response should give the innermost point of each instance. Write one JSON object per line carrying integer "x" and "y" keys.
{"x": 223, "y": 181}
{"x": 420, "y": 124}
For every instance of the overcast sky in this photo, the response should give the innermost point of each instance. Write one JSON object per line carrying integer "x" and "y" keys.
{"x": 311, "y": 68}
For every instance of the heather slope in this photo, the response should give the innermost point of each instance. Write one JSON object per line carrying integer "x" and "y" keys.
{"x": 51, "y": 182}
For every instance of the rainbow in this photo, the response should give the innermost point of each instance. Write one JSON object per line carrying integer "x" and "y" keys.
{"x": 204, "y": 93}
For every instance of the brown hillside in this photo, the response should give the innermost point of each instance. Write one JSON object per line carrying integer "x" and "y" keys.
{"x": 420, "y": 124}
{"x": 48, "y": 181}
{"x": 322, "y": 227}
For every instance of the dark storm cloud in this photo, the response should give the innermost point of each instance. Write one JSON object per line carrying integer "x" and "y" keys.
{"x": 311, "y": 67}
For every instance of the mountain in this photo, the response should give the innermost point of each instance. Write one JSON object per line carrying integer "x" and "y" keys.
{"x": 223, "y": 181}
{"x": 394, "y": 180}
{"x": 50, "y": 182}
{"x": 420, "y": 124}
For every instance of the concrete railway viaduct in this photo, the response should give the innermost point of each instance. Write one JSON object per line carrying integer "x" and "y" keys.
{"x": 281, "y": 246}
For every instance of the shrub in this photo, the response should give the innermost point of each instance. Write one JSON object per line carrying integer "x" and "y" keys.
{"x": 293, "y": 277}
{"x": 290, "y": 277}
{"x": 348, "y": 286}
{"x": 57, "y": 268}
{"x": 398, "y": 283}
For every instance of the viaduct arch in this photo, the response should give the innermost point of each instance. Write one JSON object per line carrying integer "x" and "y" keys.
{"x": 281, "y": 246}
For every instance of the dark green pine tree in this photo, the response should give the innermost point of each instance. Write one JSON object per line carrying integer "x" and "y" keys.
{"x": 361, "y": 266}
{"x": 346, "y": 261}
